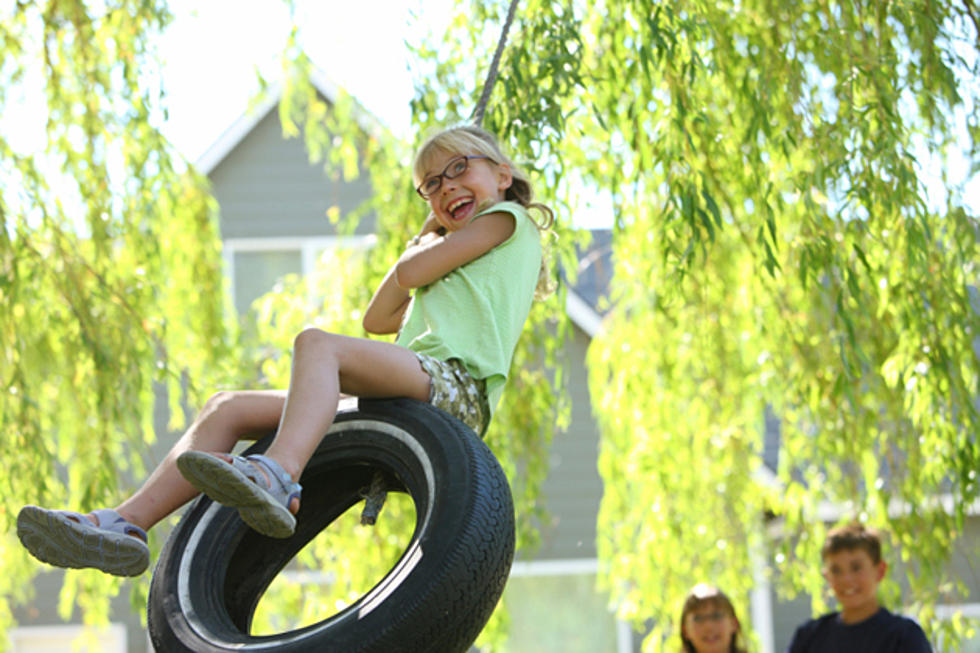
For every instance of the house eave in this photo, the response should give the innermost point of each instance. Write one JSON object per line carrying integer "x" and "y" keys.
{"x": 246, "y": 122}
{"x": 582, "y": 314}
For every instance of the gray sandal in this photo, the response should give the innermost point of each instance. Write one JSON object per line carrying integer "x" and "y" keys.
{"x": 69, "y": 539}
{"x": 262, "y": 503}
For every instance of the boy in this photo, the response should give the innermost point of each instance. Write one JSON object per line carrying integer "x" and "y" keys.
{"x": 853, "y": 567}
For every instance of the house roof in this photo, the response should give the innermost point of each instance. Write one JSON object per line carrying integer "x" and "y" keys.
{"x": 236, "y": 132}
{"x": 246, "y": 122}
{"x": 587, "y": 297}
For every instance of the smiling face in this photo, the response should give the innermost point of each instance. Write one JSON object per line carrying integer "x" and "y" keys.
{"x": 854, "y": 578}
{"x": 460, "y": 198}
{"x": 710, "y": 628}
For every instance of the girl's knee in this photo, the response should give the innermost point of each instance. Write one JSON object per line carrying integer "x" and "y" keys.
{"x": 236, "y": 413}
{"x": 217, "y": 401}
{"x": 221, "y": 403}
{"x": 312, "y": 338}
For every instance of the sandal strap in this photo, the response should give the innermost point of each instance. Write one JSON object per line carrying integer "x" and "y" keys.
{"x": 70, "y": 514}
{"x": 111, "y": 520}
{"x": 285, "y": 487}
{"x": 249, "y": 467}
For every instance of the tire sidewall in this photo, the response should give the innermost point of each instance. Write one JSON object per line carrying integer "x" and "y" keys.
{"x": 439, "y": 594}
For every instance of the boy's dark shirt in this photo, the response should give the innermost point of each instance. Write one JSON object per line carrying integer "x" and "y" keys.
{"x": 882, "y": 632}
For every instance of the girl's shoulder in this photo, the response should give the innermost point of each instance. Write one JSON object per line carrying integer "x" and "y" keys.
{"x": 522, "y": 218}
{"x": 506, "y": 206}
{"x": 543, "y": 219}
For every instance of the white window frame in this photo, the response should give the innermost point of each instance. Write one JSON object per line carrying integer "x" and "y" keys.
{"x": 947, "y": 611}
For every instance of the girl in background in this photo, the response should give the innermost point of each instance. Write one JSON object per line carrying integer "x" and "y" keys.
{"x": 708, "y": 622}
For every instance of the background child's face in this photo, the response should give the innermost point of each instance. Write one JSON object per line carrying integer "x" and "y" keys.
{"x": 710, "y": 628}
{"x": 854, "y": 578}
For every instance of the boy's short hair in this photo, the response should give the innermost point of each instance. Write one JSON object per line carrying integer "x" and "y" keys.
{"x": 850, "y": 537}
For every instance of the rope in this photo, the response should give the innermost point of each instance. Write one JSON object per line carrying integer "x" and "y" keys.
{"x": 374, "y": 496}
{"x": 374, "y": 499}
{"x": 481, "y": 105}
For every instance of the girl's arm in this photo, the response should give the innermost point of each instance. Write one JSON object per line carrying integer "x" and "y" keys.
{"x": 385, "y": 310}
{"x": 433, "y": 257}
{"x": 436, "y": 257}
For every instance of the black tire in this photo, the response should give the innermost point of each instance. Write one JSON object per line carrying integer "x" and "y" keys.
{"x": 438, "y": 597}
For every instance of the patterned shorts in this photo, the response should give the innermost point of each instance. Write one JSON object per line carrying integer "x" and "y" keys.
{"x": 453, "y": 390}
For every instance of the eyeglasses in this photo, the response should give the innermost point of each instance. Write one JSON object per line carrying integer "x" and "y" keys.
{"x": 455, "y": 168}
{"x": 704, "y": 617}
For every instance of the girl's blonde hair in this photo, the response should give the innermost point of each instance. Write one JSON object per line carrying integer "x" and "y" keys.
{"x": 470, "y": 139}
{"x": 701, "y": 595}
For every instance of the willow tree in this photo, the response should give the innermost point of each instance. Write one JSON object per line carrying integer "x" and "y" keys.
{"x": 778, "y": 246}
{"x": 110, "y": 280}
{"x": 792, "y": 239}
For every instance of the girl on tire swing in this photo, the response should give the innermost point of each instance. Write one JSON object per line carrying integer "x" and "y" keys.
{"x": 474, "y": 267}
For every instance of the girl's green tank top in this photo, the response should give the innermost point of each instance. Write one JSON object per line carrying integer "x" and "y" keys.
{"x": 476, "y": 312}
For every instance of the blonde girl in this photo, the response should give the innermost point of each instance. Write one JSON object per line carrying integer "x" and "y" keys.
{"x": 457, "y": 297}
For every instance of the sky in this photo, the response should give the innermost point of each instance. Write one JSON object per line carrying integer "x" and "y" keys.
{"x": 212, "y": 49}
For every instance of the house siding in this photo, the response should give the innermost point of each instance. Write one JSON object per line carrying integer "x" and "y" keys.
{"x": 573, "y": 488}
{"x": 266, "y": 187}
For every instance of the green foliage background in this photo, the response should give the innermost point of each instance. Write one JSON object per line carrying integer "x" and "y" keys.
{"x": 777, "y": 252}
{"x": 110, "y": 280}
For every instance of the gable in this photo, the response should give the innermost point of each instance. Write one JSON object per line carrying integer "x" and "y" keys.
{"x": 266, "y": 186}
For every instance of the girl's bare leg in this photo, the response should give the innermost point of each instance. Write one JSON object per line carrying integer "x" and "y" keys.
{"x": 326, "y": 365}
{"x": 226, "y": 418}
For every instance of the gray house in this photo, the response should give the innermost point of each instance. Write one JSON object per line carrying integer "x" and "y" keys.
{"x": 273, "y": 204}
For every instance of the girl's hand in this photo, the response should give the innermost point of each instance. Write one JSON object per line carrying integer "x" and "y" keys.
{"x": 431, "y": 224}
{"x": 431, "y": 229}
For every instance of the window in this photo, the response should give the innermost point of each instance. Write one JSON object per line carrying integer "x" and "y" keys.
{"x": 254, "y": 265}
{"x": 968, "y": 610}
{"x": 554, "y": 607}
{"x": 61, "y": 638}
{"x": 256, "y": 272}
